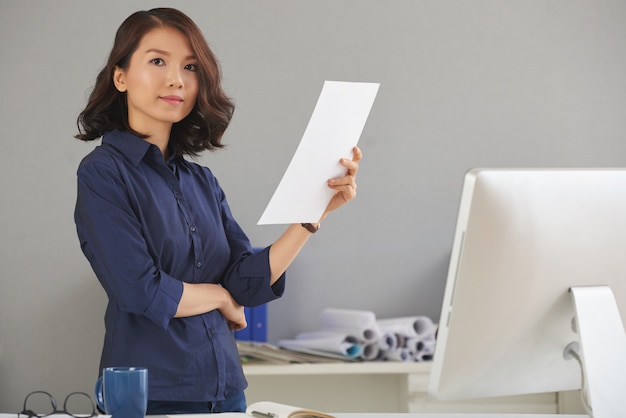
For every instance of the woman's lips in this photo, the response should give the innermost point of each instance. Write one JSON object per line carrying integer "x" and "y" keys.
{"x": 173, "y": 100}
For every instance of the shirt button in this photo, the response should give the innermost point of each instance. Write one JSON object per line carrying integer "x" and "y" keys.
{"x": 193, "y": 229}
{"x": 198, "y": 264}
{"x": 212, "y": 331}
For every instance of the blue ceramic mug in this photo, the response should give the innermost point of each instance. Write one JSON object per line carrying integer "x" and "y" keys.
{"x": 123, "y": 391}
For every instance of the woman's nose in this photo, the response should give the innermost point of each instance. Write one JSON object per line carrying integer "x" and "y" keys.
{"x": 175, "y": 79}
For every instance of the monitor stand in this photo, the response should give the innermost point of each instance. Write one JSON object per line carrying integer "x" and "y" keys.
{"x": 602, "y": 352}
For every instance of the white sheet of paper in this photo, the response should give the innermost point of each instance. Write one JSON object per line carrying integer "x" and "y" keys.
{"x": 333, "y": 130}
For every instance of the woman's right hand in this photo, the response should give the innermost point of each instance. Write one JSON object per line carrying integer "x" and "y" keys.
{"x": 199, "y": 298}
{"x": 234, "y": 313}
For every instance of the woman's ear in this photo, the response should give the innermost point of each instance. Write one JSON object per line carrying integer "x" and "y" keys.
{"x": 119, "y": 79}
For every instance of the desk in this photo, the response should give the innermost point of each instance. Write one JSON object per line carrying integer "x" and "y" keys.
{"x": 409, "y": 415}
{"x": 400, "y": 415}
{"x": 374, "y": 387}
{"x": 394, "y": 415}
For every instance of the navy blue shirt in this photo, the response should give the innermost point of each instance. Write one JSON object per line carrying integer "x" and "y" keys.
{"x": 146, "y": 225}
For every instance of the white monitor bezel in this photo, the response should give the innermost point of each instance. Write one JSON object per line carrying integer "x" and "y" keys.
{"x": 503, "y": 333}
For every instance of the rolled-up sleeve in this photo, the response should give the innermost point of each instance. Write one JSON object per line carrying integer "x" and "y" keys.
{"x": 249, "y": 280}
{"x": 249, "y": 275}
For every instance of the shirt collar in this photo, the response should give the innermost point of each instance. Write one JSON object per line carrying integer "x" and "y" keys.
{"x": 133, "y": 147}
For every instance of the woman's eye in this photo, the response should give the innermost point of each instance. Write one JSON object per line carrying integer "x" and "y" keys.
{"x": 191, "y": 67}
{"x": 157, "y": 61}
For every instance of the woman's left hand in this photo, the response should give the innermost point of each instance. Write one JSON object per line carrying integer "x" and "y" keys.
{"x": 345, "y": 187}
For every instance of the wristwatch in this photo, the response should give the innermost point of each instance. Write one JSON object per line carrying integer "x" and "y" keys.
{"x": 310, "y": 227}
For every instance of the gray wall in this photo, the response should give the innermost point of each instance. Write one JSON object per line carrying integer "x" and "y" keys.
{"x": 463, "y": 84}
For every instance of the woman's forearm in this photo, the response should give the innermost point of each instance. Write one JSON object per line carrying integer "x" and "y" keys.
{"x": 286, "y": 248}
{"x": 199, "y": 298}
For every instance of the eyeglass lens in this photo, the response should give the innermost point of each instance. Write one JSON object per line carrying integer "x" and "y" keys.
{"x": 41, "y": 404}
{"x": 79, "y": 404}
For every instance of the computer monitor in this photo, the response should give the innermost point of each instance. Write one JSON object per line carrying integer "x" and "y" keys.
{"x": 523, "y": 238}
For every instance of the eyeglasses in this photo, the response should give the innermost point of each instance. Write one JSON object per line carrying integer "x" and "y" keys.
{"x": 76, "y": 404}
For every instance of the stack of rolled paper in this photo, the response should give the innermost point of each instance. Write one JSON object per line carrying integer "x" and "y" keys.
{"x": 357, "y": 334}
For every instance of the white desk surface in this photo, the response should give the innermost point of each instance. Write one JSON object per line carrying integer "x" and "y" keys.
{"x": 399, "y": 415}
{"x": 447, "y": 415}
{"x": 429, "y": 415}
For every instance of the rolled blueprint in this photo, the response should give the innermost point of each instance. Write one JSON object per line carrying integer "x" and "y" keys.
{"x": 330, "y": 343}
{"x": 408, "y": 325}
{"x": 415, "y": 336}
{"x": 371, "y": 352}
{"x": 422, "y": 349}
{"x": 365, "y": 335}
{"x": 347, "y": 318}
{"x": 315, "y": 335}
{"x": 358, "y": 334}
{"x": 388, "y": 341}
{"x": 401, "y": 340}
{"x": 360, "y": 324}
{"x": 400, "y": 354}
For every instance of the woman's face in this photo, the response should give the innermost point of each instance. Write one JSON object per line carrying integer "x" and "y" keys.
{"x": 161, "y": 82}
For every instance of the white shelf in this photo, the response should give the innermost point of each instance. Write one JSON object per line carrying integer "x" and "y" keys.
{"x": 356, "y": 368}
{"x": 372, "y": 387}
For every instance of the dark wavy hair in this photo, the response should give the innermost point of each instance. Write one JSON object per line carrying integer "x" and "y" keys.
{"x": 107, "y": 108}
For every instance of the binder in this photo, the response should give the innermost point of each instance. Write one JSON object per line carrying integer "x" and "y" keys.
{"x": 257, "y": 325}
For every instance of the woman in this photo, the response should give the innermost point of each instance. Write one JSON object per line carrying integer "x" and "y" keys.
{"x": 157, "y": 229}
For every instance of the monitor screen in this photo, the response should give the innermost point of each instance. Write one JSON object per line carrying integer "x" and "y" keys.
{"x": 523, "y": 238}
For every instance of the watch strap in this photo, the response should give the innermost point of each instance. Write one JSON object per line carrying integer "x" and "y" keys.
{"x": 310, "y": 227}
